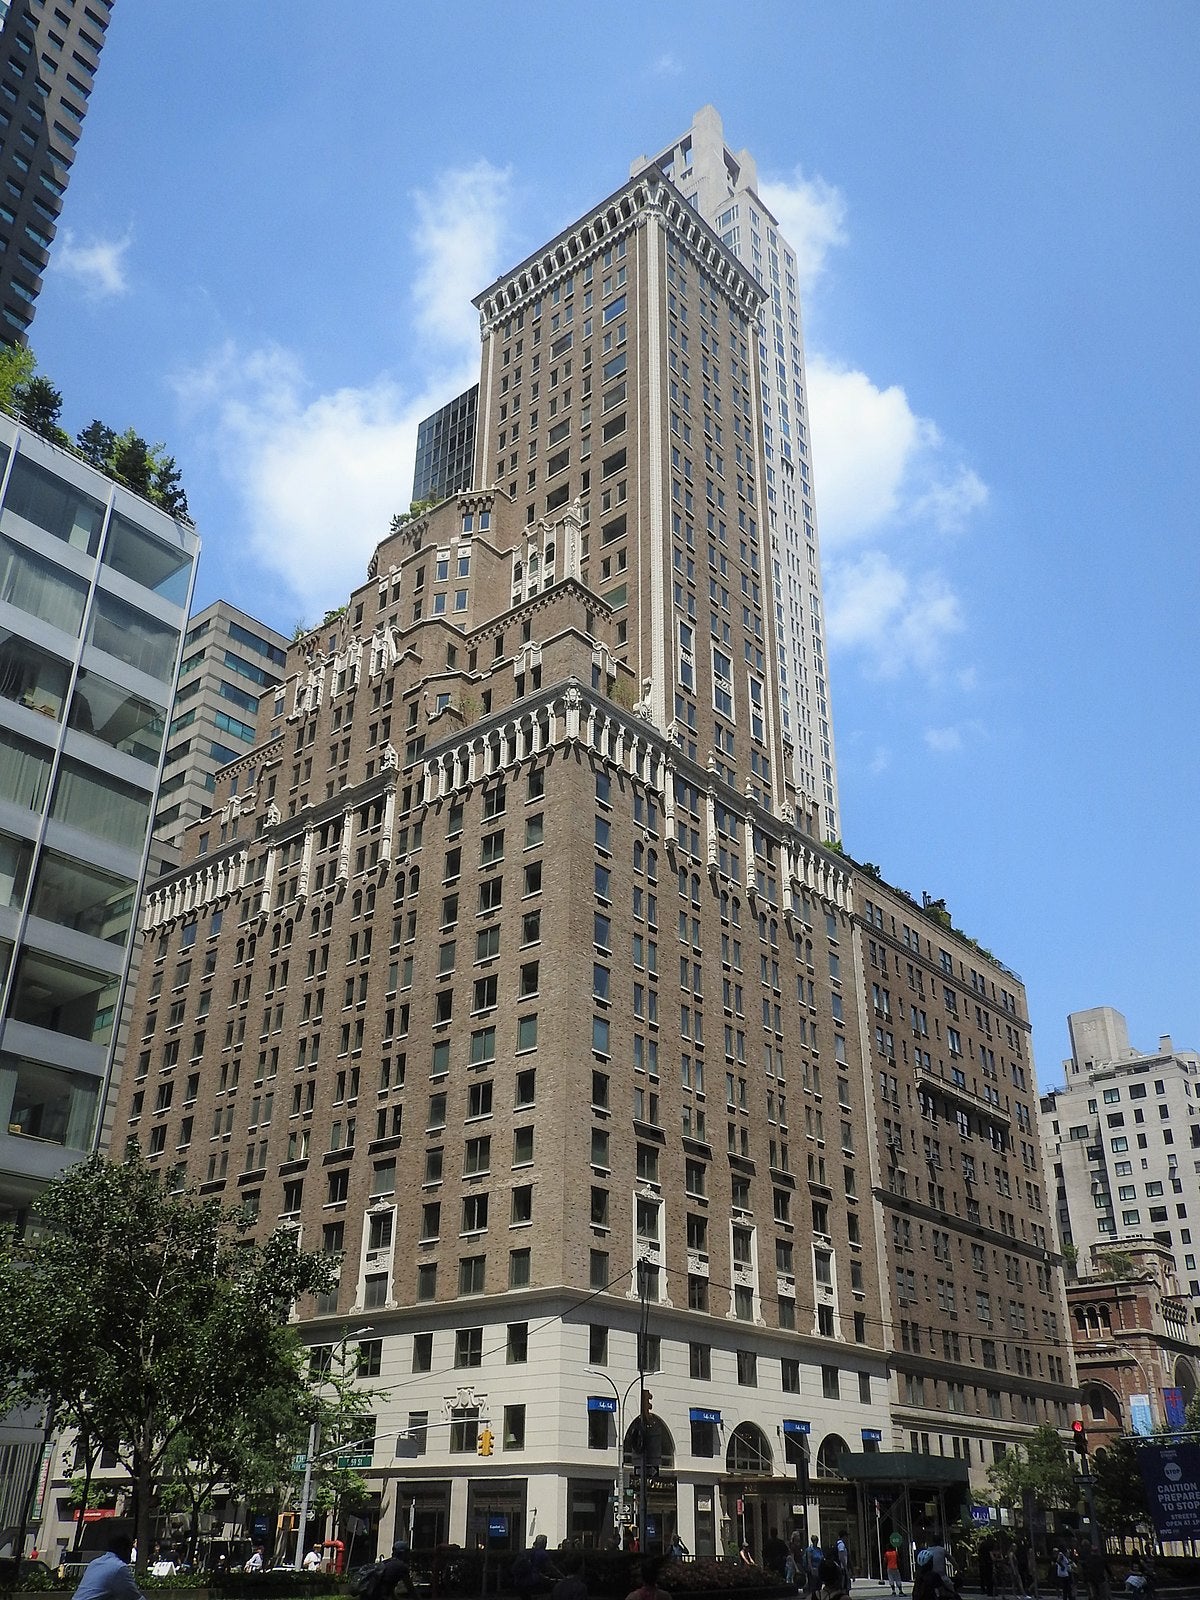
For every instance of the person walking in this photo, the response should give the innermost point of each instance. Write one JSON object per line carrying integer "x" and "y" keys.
{"x": 813, "y": 1558}
{"x": 109, "y": 1577}
{"x": 843, "y": 1561}
{"x": 648, "y": 1588}
{"x": 1064, "y": 1574}
{"x": 891, "y": 1567}
{"x": 393, "y": 1572}
{"x": 775, "y": 1554}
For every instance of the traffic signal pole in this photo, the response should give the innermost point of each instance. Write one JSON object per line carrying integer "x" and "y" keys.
{"x": 644, "y": 1403}
{"x": 1079, "y": 1440}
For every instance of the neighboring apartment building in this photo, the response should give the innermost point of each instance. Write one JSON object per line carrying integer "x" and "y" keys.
{"x": 1135, "y": 1341}
{"x": 510, "y": 957}
{"x": 1123, "y": 1140}
{"x": 723, "y": 186}
{"x": 973, "y": 1286}
{"x": 446, "y": 448}
{"x": 94, "y": 590}
{"x": 49, "y": 52}
{"x": 230, "y": 660}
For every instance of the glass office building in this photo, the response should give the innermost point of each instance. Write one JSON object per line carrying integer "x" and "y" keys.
{"x": 95, "y": 586}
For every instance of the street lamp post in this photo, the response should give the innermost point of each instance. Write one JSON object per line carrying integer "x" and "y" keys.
{"x": 621, "y": 1399}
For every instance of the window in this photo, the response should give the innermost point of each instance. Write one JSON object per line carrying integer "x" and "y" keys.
{"x": 514, "y": 1427}
{"x": 471, "y": 1272}
{"x": 830, "y": 1383}
{"x": 422, "y": 1352}
{"x": 747, "y": 1368}
{"x": 468, "y": 1347}
{"x": 518, "y": 1343}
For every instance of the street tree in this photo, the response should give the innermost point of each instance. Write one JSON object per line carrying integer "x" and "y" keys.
{"x": 1042, "y": 1468}
{"x": 1118, "y": 1488}
{"x": 143, "y": 1314}
{"x": 345, "y": 1418}
{"x": 248, "y": 1451}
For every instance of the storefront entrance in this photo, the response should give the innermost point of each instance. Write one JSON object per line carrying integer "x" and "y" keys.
{"x": 496, "y": 1514}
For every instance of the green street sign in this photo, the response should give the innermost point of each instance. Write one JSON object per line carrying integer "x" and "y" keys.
{"x": 354, "y": 1461}
{"x": 299, "y": 1462}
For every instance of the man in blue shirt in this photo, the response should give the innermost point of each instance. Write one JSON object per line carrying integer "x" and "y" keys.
{"x": 109, "y": 1577}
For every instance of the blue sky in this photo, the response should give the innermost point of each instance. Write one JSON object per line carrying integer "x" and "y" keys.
{"x": 280, "y": 212}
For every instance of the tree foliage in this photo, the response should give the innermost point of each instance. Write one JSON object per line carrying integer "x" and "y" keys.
{"x": 147, "y": 469}
{"x": 1118, "y": 1488}
{"x": 39, "y": 405}
{"x": 17, "y": 366}
{"x": 1043, "y": 1467}
{"x": 147, "y": 1319}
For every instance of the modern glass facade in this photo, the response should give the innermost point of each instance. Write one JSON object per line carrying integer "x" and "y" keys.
{"x": 48, "y": 60}
{"x": 94, "y": 592}
{"x": 446, "y": 448}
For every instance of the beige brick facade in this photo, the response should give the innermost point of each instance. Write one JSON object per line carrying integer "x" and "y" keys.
{"x": 511, "y": 959}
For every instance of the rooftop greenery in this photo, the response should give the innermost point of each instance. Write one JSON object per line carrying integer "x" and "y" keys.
{"x": 144, "y": 468}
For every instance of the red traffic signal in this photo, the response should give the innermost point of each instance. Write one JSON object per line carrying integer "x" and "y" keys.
{"x": 1079, "y": 1438}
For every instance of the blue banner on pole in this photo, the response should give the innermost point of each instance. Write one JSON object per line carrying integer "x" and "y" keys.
{"x": 1174, "y": 1407}
{"x": 1141, "y": 1418}
{"x": 1171, "y": 1473}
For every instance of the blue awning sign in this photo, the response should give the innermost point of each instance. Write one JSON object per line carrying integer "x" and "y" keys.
{"x": 700, "y": 1414}
{"x": 872, "y": 1435}
{"x": 792, "y": 1426}
{"x": 602, "y": 1402}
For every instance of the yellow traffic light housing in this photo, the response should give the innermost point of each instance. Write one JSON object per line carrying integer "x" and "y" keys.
{"x": 486, "y": 1442}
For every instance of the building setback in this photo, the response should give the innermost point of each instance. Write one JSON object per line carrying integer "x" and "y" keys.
{"x": 722, "y": 184}
{"x": 230, "y": 660}
{"x": 511, "y": 964}
{"x": 1121, "y": 1139}
{"x": 94, "y": 589}
{"x": 48, "y": 60}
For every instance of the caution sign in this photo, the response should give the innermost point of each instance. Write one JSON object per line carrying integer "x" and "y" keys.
{"x": 1171, "y": 1473}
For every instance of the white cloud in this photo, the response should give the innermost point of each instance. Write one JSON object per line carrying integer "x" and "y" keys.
{"x": 944, "y": 740}
{"x": 812, "y": 217}
{"x": 97, "y": 266}
{"x": 320, "y": 474}
{"x": 666, "y": 66}
{"x": 893, "y": 620}
{"x": 880, "y": 467}
{"x": 459, "y": 234}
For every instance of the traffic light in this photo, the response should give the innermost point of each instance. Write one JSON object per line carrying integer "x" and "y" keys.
{"x": 650, "y": 1447}
{"x": 1079, "y": 1439}
{"x": 486, "y": 1442}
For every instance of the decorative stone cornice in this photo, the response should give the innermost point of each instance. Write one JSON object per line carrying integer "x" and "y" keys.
{"x": 649, "y": 195}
